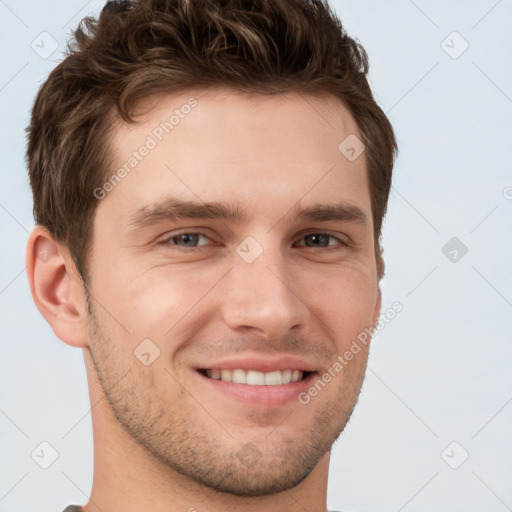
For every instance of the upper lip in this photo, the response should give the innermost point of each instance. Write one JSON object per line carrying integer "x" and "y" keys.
{"x": 259, "y": 363}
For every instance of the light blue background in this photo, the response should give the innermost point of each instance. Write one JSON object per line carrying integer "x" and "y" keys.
{"x": 439, "y": 372}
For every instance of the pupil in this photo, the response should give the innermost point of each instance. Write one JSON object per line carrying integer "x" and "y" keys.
{"x": 322, "y": 239}
{"x": 189, "y": 238}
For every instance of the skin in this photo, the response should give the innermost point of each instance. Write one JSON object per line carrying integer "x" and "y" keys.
{"x": 163, "y": 439}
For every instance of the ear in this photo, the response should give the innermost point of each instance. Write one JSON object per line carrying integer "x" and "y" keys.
{"x": 378, "y": 306}
{"x": 381, "y": 267}
{"x": 57, "y": 288}
{"x": 380, "y": 275}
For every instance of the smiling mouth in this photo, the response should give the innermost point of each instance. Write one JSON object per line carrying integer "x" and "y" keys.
{"x": 254, "y": 377}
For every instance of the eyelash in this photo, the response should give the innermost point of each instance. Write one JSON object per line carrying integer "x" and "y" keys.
{"x": 166, "y": 242}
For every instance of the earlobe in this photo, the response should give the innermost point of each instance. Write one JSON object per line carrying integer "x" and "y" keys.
{"x": 56, "y": 287}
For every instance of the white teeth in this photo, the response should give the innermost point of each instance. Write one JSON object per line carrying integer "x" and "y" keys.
{"x": 255, "y": 378}
{"x": 239, "y": 377}
{"x": 226, "y": 375}
{"x": 273, "y": 378}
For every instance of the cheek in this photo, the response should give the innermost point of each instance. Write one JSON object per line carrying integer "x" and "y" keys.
{"x": 343, "y": 299}
{"x": 160, "y": 301}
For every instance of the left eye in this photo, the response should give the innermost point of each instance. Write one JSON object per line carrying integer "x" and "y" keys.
{"x": 188, "y": 239}
{"x": 321, "y": 240}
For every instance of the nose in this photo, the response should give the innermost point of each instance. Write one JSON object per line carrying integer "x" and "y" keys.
{"x": 261, "y": 297}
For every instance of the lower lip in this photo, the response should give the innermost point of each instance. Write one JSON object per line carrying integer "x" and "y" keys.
{"x": 265, "y": 396}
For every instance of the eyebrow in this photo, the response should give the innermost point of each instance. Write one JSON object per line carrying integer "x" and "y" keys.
{"x": 173, "y": 209}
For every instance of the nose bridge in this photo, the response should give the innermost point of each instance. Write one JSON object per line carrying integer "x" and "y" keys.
{"x": 259, "y": 293}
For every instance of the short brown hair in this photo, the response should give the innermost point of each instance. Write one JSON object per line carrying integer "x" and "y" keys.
{"x": 141, "y": 47}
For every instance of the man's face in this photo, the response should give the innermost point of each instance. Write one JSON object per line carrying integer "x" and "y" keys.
{"x": 268, "y": 292}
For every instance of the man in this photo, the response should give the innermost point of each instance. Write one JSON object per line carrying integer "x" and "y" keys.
{"x": 209, "y": 180}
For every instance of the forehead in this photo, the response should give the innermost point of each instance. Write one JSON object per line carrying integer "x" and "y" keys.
{"x": 301, "y": 121}
{"x": 268, "y": 151}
